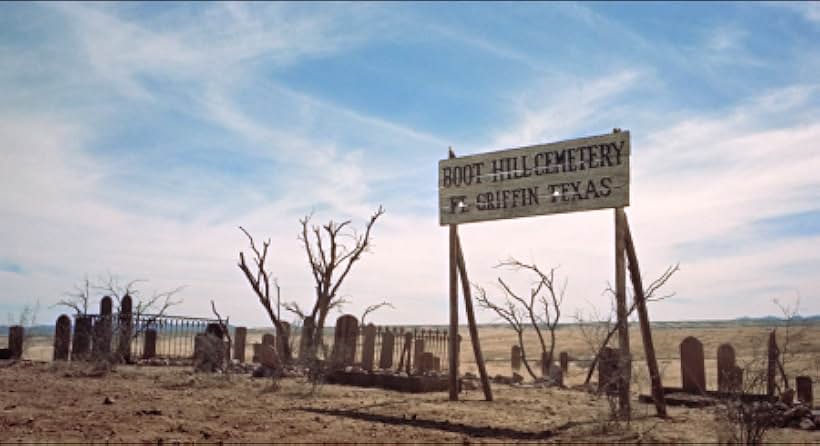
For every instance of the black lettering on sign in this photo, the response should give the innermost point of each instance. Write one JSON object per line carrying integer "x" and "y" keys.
{"x": 445, "y": 177}
{"x": 606, "y": 186}
{"x": 458, "y": 202}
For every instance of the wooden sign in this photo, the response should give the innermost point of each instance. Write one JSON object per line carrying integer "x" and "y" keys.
{"x": 568, "y": 176}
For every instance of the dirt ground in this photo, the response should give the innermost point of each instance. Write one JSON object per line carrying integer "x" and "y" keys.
{"x": 67, "y": 402}
{"x": 64, "y": 403}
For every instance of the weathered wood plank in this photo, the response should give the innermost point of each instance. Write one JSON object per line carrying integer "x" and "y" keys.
{"x": 568, "y": 176}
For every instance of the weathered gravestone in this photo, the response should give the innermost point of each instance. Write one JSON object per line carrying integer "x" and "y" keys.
{"x": 269, "y": 357}
{"x": 425, "y": 362}
{"x": 368, "y": 347}
{"x": 62, "y": 338}
{"x": 16, "y": 336}
{"x": 608, "y": 373}
{"x": 771, "y": 370}
{"x": 564, "y": 358}
{"x": 550, "y": 371}
{"x": 344, "y": 341}
{"x": 725, "y": 367}
{"x": 269, "y": 339}
{"x": 81, "y": 342}
{"x": 257, "y": 352}
{"x": 306, "y": 338}
{"x": 101, "y": 348}
{"x": 436, "y": 363}
{"x": 240, "y": 335}
{"x": 283, "y": 339}
{"x": 386, "y": 354}
{"x": 515, "y": 357}
{"x": 149, "y": 348}
{"x": 209, "y": 353}
{"x": 126, "y": 329}
{"x": 418, "y": 350}
{"x": 804, "y": 390}
{"x": 692, "y": 368}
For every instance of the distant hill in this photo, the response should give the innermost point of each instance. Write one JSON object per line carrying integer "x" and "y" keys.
{"x": 48, "y": 330}
{"x": 799, "y": 318}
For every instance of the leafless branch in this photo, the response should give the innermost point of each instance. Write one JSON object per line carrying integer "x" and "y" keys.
{"x": 649, "y": 295}
{"x": 372, "y": 308}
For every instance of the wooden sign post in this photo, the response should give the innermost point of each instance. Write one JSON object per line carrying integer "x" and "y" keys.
{"x": 569, "y": 176}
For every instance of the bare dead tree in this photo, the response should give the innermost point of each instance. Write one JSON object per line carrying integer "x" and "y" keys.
{"x": 650, "y": 294}
{"x": 330, "y": 261}
{"x": 549, "y": 295}
{"x": 373, "y": 308}
{"x": 223, "y": 324}
{"x": 509, "y": 312}
{"x": 151, "y": 307}
{"x": 260, "y": 280}
{"x": 791, "y": 332}
{"x": 154, "y": 305}
{"x": 294, "y": 308}
{"x": 78, "y": 298}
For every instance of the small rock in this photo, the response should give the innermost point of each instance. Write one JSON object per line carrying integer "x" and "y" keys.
{"x": 517, "y": 378}
{"x": 108, "y": 400}
{"x": 807, "y": 424}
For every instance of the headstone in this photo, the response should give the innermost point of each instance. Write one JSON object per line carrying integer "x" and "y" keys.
{"x": 102, "y": 330}
{"x": 405, "y": 353}
{"x": 693, "y": 374}
{"x": 269, "y": 358}
{"x": 368, "y": 347}
{"x": 257, "y": 352}
{"x": 62, "y": 338}
{"x": 344, "y": 341}
{"x": 804, "y": 390}
{"x": 282, "y": 348}
{"x": 725, "y": 367}
{"x": 564, "y": 358}
{"x": 209, "y": 353}
{"x": 306, "y": 338}
{"x": 418, "y": 350}
{"x": 106, "y": 307}
{"x": 16, "y": 336}
{"x": 515, "y": 357}
{"x": 81, "y": 343}
{"x": 771, "y": 371}
{"x": 556, "y": 375}
{"x": 149, "y": 349}
{"x": 269, "y": 339}
{"x": 125, "y": 332}
{"x": 608, "y": 374}
{"x": 436, "y": 364}
{"x": 425, "y": 362}
{"x": 386, "y": 354}
{"x": 240, "y": 335}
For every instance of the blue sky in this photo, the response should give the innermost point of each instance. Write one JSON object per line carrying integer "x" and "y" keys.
{"x": 135, "y": 139}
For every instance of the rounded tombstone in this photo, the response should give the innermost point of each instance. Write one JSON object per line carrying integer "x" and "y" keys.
{"x": 105, "y": 306}
{"x": 693, "y": 375}
{"x": 62, "y": 338}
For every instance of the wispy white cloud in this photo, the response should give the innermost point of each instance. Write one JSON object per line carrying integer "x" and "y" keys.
{"x": 699, "y": 176}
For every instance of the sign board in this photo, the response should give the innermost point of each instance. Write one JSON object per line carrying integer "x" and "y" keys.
{"x": 568, "y": 176}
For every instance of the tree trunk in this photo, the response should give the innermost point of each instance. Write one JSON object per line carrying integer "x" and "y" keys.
{"x": 524, "y": 355}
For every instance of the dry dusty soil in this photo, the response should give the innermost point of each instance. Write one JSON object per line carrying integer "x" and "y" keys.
{"x": 65, "y": 402}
